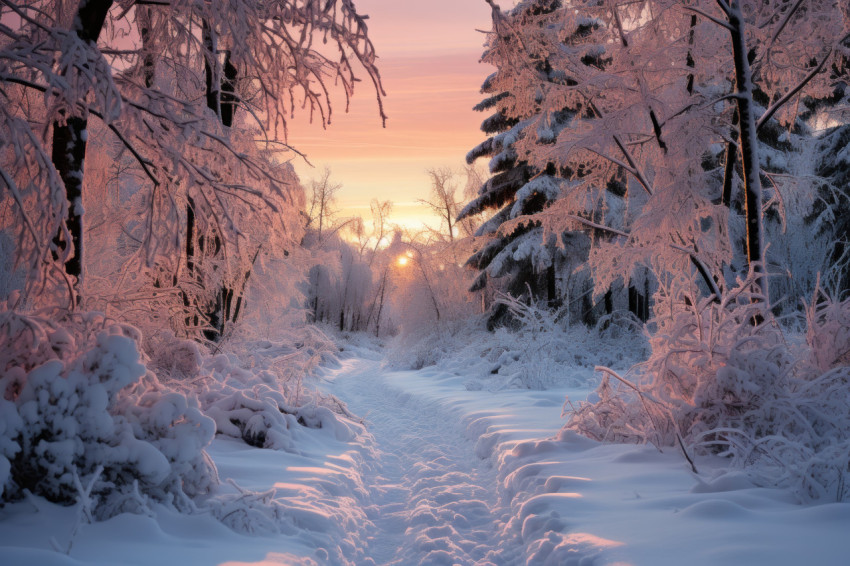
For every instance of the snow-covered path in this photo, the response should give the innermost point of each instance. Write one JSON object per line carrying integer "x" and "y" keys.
{"x": 484, "y": 477}
{"x": 446, "y": 474}
{"x": 431, "y": 496}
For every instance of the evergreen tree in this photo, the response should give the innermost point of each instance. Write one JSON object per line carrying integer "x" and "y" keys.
{"x": 520, "y": 256}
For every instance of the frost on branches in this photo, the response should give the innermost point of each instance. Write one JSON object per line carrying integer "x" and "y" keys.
{"x": 151, "y": 134}
{"x": 657, "y": 109}
{"x": 197, "y": 101}
{"x": 716, "y": 383}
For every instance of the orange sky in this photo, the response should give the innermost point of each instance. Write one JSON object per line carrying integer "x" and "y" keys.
{"x": 428, "y": 58}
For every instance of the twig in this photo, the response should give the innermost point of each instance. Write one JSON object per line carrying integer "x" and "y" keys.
{"x": 685, "y": 452}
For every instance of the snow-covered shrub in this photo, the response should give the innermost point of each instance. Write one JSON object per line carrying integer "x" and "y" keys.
{"x": 541, "y": 351}
{"x": 722, "y": 378}
{"x": 10, "y": 428}
{"x": 171, "y": 357}
{"x": 256, "y": 390}
{"x": 828, "y": 332}
{"x": 79, "y": 407}
{"x": 424, "y": 348}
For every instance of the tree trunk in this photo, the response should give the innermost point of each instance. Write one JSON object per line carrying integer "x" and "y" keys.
{"x": 689, "y": 61}
{"x": 381, "y": 303}
{"x": 211, "y": 68}
{"x": 69, "y": 147}
{"x": 191, "y": 320}
{"x": 69, "y": 153}
{"x": 749, "y": 149}
{"x": 143, "y": 15}
{"x": 729, "y": 166}
{"x": 229, "y": 99}
{"x": 221, "y": 99}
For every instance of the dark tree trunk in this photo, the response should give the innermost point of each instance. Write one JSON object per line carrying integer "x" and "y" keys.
{"x": 731, "y": 155}
{"x": 145, "y": 27}
{"x": 69, "y": 145}
{"x": 69, "y": 153}
{"x": 229, "y": 98}
{"x": 221, "y": 99}
{"x": 211, "y": 69}
{"x": 639, "y": 301}
{"x": 191, "y": 320}
{"x": 634, "y": 300}
{"x": 689, "y": 61}
{"x": 749, "y": 148}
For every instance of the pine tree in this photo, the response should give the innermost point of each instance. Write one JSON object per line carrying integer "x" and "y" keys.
{"x": 523, "y": 261}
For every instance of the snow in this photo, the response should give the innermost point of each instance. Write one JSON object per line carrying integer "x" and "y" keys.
{"x": 444, "y": 475}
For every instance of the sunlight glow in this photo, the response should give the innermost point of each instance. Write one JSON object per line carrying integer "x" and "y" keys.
{"x": 591, "y": 540}
{"x": 402, "y": 260}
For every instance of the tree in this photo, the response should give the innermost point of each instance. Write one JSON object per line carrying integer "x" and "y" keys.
{"x": 444, "y": 201}
{"x": 321, "y": 212}
{"x": 529, "y": 259}
{"x": 658, "y": 109}
{"x": 254, "y": 55}
{"x": 695, "y": 92}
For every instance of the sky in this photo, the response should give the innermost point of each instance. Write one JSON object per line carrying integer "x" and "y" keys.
{"x": 428, "y": 57}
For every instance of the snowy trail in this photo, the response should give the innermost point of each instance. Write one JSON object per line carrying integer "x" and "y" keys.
{"x": 447, "y": 474}
{"x": 432, "y": 497}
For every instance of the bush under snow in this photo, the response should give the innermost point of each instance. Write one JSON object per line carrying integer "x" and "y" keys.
{"x": 79, "y": 409}
{"x": 543, "y": 350}
{"x": 723, "y": 379}
{"x": 256, "y": 391}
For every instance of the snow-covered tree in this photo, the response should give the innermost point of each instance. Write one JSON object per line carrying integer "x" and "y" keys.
{"x": 521, "y": 259}
{"x": 154, "y": 96}
{"x": 830, "y": 164}
{"x": 660, "y": 107}
{"x": 443, "y": 203}
{"x": 687, "y": 81}
{"x": 321, "y": 204}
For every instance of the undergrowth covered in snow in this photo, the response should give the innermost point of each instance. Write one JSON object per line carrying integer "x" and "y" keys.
{"x": 257, "y": 390}
{"x": 723, "y": 378}
{"x": 87, "y": 417}
{"x": 79, "y": 408}
{"x": 541, "y": 350}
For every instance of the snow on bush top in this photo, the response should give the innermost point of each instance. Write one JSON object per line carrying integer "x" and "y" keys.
{"x": 79, "y": 407}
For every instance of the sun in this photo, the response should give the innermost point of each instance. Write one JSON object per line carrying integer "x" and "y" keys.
{"x": 402, "y": 260}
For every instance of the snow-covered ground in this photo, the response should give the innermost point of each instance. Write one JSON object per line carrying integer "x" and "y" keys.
{"x": 447, "y": 475}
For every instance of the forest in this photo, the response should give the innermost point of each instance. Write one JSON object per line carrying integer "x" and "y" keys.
{"x": 644, "y": 262}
